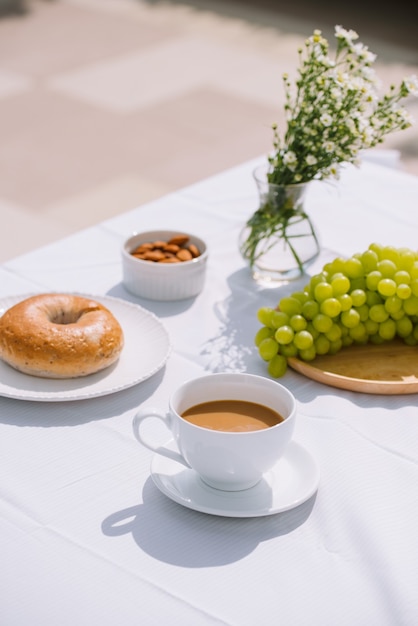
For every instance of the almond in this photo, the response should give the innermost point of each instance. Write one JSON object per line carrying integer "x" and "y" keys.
{"x": 171, "y": 247}
{"x": 184, "y": 255}
{"x": 154, "y": 255}
{"x": 170, "y": 259}
{"x": 180, "y": 240}
{"x": 194, "y": 250}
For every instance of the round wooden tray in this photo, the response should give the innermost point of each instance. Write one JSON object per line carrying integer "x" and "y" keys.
{"x": 390, "y": 368}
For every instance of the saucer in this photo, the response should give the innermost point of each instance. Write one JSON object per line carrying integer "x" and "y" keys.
{"x": 292, "y": 481}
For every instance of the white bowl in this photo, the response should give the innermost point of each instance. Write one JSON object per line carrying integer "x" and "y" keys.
{"x": 163, "y": 281}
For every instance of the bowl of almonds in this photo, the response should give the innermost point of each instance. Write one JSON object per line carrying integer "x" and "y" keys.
{"x": 164, "y": 265}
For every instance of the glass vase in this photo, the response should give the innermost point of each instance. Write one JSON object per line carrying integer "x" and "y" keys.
{"x": 279, "y": 241}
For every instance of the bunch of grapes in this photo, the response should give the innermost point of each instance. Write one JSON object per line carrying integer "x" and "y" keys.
{"x": 369, "y": 297}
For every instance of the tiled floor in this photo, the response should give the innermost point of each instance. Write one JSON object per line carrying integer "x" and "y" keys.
{"x": 106, "y": 104}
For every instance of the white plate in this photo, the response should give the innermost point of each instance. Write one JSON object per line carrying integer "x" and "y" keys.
{"x": 146, "y": 350}
{"x": 292, "y": 481}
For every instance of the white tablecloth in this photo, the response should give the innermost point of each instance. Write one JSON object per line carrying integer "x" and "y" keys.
{"x": 86, "y": 538}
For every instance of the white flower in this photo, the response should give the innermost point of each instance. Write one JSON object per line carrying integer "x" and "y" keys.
{"x": 405, "y": 117}
{"x": 369, "y": 75}
{"x": 289, "y": 158}
{"x": 342, "y": 79}
{"x": 363, "y": 53}
{"x": 411, "y": 84}
{"x": 335, "y": 93}
{"x": 350, "y": 124}
{"x": 311, "y": 159}
{"x": 326, "y": 119}
{"x": 347, "y": 35}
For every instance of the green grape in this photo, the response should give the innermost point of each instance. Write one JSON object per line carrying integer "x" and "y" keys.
{"x": 340, "y": 284}
{"x": 376, "y": 339}
{"x": 386, "y": 267}
{"x": 290, "y": 305}
{"x": 284, "y": 335}
{"x": 337, "y": 265}
{"x": 404, "y": 327}
{"x": 404, "y": 291}
{"x": 309, "y": 309}
{"x": 322, "y": 344}
{"x": 378, "y": 313}
{"x": 346, "y": 341}
{"x": 335, "y": 346}
{"x": 345, "y": 301}
{"x": 327, "y": 268}
{"x": 350, "y": 318}
{"x": 278, "y": 318}
{"x": 331, "y": 307}
{"x": 411, "y": 340}
{"x": 344, "y": 330}
{"x": 315, "y": 280}
{"x": 371, "y": 327}
{"x": 363, "y": 312}
{"x": 413, "y": 271}
{"x": 298, "y": 322}
{"x": 373, "y": 297}
{"x": 393, "y": 304}
{"x": 377, "y": 249}
{"x": 264, "y": 315}
{"x": 353, "y": 268}
{"x": 358, "y": 283}
{"x": 402, "y": 277}
{"x": 411, "y": 305}
{"x": 358, "y": 297}
{"x": 302, "y": 296}
{"x": 358, "y": 333}
{"x": 308, "y": 355}
{"x": 373, "y": 279}
{"x": 311, "y": 329}
{"x": 322, "y": 291}
{"x": 414, "y": 287}
{"x": 289, "y": 349}
{"x": 416, "y": 332}
{"x": 406, "y": 258}
{"x": 277, "y": 366}
{"x": 322, "y": 323}
{"x": 387, "y": 329}
{"x": 334, "y": 333}
{"x": 386, "y": 287}
{"x": 392, "y": 254}
{"x": 303, "y": 340}
{"x": 369, "y": 260}
{"x": 398, "y": 315}
{"x": 268, "y": 348}
{"x": 262, "y": 333}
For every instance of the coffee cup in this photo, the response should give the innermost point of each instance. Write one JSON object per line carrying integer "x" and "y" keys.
{"x": 230, "y": 428}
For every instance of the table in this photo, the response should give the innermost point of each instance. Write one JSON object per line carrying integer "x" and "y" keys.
{"x": 87, "y": 538}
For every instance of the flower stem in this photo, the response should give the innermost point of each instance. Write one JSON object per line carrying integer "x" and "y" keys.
{"x": 267, "y": 226}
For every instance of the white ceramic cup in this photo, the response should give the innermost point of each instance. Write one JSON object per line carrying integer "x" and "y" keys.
{"x": 230, "y": 461}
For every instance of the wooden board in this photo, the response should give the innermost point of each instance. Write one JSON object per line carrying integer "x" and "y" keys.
{"x": 390, "y": 368}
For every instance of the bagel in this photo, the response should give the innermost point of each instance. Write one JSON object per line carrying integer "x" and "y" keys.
{"x": 59, "y": 336}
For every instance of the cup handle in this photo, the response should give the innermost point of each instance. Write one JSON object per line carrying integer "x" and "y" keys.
{"x": 152, "y": 413}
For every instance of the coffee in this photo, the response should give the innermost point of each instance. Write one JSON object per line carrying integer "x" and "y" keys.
{"x": 232, "y": 415}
